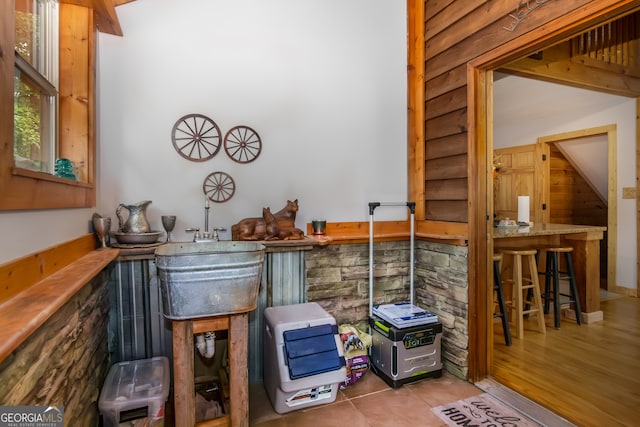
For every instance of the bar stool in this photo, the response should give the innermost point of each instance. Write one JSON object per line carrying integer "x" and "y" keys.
{"x": 521, "y": 283}
{"x": 497, "y": 287}
{"x": 552, "y": 280}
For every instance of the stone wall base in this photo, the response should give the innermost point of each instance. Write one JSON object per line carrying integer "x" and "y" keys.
{"x": 65, "y": 361}
{"x": 338, "y": 280}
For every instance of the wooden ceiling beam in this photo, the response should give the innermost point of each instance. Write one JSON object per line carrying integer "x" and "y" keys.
{"x": 556, "y": 66}
{"x": 104, "y": 11}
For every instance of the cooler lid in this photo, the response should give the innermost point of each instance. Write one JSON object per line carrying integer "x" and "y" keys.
{"x": 312, "y": 351}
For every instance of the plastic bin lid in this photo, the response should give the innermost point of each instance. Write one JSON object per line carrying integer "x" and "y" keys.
{"x": 312, "y": 351}
{"x": 133, "y": 384}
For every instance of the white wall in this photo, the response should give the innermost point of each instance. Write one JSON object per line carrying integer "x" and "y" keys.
{"x": 323, "y": 82}
{"x": 526, "y": 109}
{"x": 25, "y": 232}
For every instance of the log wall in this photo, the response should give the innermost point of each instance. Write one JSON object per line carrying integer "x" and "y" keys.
{"x": 456, "y": 33}
{"x": 573, "y": 201}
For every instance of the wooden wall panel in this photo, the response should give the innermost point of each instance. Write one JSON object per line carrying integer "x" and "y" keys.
{"x": 466, "y": 30}
{"x": 455, "y": 211}
{"x": 435, "y": 6}
{"x": 572, "y": 200}
{"x": 451, "y": 80}
{"x": 448, "y": 189}
{"x": 76, "y": 85}
{"x": 453, "y": 12}
{"x": 447, "y": 146}
{"x": 483, "y": 30}
{"x": 446, "y": 168}
{"x": 20, "y": 274}
{"x": 449, "y": 102}
{"x": 455, "y": 33}
{"x": 448, "y": 124}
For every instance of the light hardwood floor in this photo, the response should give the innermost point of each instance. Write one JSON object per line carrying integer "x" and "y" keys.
{"x": 589, "y": 374}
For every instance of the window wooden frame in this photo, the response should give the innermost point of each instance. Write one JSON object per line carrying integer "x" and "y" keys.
{"x": 22, "y": 189}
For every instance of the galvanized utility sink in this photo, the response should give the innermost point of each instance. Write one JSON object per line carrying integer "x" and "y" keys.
{"x": 208, "y": 279}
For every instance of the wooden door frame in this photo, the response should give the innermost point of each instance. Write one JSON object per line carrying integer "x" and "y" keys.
{"x": 611, "y": 132}
{"x": 637, "y": 198}
{"x": 480, "y": 144}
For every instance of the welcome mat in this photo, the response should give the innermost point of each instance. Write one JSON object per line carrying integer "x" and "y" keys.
{"x": 481, "y": 410}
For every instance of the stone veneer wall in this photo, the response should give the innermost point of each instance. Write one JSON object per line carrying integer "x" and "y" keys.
{"x": 66, "y": 360}
{"x": 442, "y": 287}
{"x": 338, "y": 280}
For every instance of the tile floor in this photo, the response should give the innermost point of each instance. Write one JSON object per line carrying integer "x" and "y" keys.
{"x": 368, "y": 403}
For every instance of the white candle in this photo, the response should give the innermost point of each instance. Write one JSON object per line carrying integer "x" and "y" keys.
{"x": 523, "y": 209}
{"x": 206, "y": 202}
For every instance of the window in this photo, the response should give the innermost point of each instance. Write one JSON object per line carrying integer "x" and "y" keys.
{"x": 69, "y": 121}
{"x": 35, "y": 84}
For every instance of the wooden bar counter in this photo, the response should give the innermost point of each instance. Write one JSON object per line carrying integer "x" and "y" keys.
{"x": 585, "y": 240}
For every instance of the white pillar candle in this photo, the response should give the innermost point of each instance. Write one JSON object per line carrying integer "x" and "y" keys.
{"x": 523, "y": 209}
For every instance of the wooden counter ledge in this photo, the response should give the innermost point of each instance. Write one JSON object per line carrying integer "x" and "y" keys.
{"x": 25, "y": 312}
{"x": 358, "y": 232}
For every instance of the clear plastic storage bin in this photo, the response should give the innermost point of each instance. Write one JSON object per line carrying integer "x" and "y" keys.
{"x": 134, "y": 390}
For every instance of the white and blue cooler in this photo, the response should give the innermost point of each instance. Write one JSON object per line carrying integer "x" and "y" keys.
{"x": 304, "y": 361}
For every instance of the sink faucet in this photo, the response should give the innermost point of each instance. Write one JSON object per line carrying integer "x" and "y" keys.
{"x": 216, "y": 236}
{"x": 196, "y": 233}
{"x": 206, "y": 234}
{"x": 206, "y": 217}
{"x": 197, "y": 237}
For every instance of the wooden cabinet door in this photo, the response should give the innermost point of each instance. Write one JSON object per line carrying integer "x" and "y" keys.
{"x": 519, "y": 173}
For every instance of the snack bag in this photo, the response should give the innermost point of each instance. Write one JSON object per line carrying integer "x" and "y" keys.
{"x": 356, "y": 344}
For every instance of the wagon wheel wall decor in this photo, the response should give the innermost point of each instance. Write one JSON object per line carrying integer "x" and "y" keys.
{"x": 196, "y": 137}
{"x": 219, "y": 187}
{"x": 242, "y": 144}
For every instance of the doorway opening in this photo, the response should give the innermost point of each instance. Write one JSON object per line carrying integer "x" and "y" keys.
{"x": 480, "y": 87}
{"x": 579, "y": 183}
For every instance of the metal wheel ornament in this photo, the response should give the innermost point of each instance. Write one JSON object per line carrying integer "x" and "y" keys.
{"x": 242, "y": 144}
{"x": 219, "y": 187}
{"x": 196, "y": 137}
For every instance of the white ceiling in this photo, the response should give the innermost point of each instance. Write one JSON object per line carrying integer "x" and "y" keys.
{"x": 518, "y": 99}
{"x": 525, "y": 109}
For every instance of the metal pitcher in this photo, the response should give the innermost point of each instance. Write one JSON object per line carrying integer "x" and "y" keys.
{"x": 137, "y": 220}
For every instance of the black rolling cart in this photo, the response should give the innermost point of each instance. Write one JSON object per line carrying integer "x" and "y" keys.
{"x": 405, "y": 338}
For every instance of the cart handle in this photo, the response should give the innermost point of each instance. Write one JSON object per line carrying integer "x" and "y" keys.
{"x": 412, "y": 208}
{"x": 374, "y": 205}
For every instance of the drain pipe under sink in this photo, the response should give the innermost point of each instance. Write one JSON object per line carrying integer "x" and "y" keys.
{"x": 206, "y": 344}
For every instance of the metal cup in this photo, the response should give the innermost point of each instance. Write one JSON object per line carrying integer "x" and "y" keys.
{"x": 101, "y": 226}
{"x": 319, "y": 226}
{"x": 168, "y": 223}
